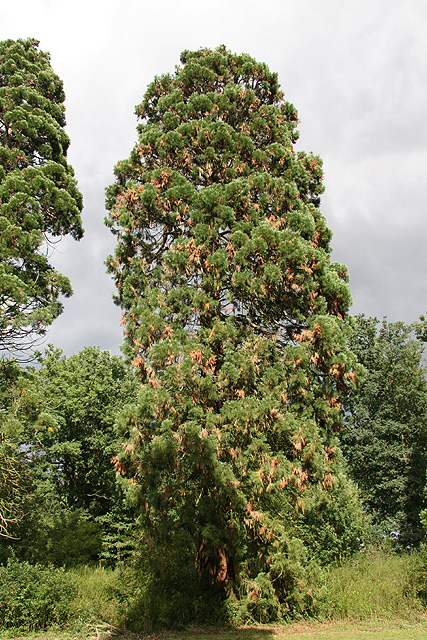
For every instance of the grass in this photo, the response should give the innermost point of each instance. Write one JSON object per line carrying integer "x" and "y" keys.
{"x": 371, "y": 597}
{"x": 330, "y": 630}
{"x": 371, "y": 586}
{"x": 94, "y": 604}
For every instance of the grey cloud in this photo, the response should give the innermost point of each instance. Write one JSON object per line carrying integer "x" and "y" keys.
{"x": 356, "y": 73}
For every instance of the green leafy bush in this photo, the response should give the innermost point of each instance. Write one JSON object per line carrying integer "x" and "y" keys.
{"x": 289, "y": 588}
{"x": 34, "y": 597}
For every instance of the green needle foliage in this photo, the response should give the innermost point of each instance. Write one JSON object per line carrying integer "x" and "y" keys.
{"x": 39, "y": 199}
{"x": 235, "y": 320}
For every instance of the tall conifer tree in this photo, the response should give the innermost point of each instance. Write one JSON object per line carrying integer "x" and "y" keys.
{"x": 39, "y": 199}
{"x": 235, "y": 319}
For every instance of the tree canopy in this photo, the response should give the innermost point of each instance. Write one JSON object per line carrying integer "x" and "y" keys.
{"x": 39, "y": 199}
{"x": 235, "y": 319}
{"x": 61, "y": 417}
{"x": 385, "y": 438}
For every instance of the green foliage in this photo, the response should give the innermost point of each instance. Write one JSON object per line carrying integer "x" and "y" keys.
{"x": 62, "y": 416}
{"x": 66, "y": 539}
{"x": 287, "y": 589}
{"x": 420, "y": 329}
{"x": 373, "y": 585}
{"x": 13, "y": 485}
{"x": 39, "y": 199}
{"x": 235, "y": 320}
{"x": 369, "y": 587}
{"x": 153, "y": 600}
{"x": 335, "y": 525}
{"x": 96, "y": 601}
{"x": 14, "y": 478}
{"x": 82, "y": 395}
{"x": 385, "y": 438}
{"x": 34, "y": 597}
{"x": 420, "y": 574}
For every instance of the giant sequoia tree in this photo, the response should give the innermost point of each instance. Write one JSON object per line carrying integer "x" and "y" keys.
{"x": 39, "y": 199}
{"x": 235, "y": 319}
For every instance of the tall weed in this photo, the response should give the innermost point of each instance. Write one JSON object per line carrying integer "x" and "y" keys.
{"x": 373, "y": 586}
{"x": 95, "y": 601}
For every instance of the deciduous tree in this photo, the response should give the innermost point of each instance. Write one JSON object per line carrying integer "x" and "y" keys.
{"x": 63, "y": 416}
{"x": 385, "y": 437}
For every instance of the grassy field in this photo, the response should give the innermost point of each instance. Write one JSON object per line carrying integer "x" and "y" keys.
{"x": 349, "y": 630}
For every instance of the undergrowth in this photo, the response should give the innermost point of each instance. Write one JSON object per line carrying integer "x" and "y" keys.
{"x": 369, "y": 586}
{"x": 374, "y": 585}
{"x": 33, "y": 597}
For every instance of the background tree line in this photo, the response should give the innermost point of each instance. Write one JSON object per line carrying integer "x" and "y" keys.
{"x": 255, "y": 431}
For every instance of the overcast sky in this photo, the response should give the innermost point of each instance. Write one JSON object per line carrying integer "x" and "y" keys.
{"x": 355, "y": 70}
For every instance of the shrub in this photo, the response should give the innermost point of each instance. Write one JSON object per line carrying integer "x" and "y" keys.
{"x": 34, "y": 597}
